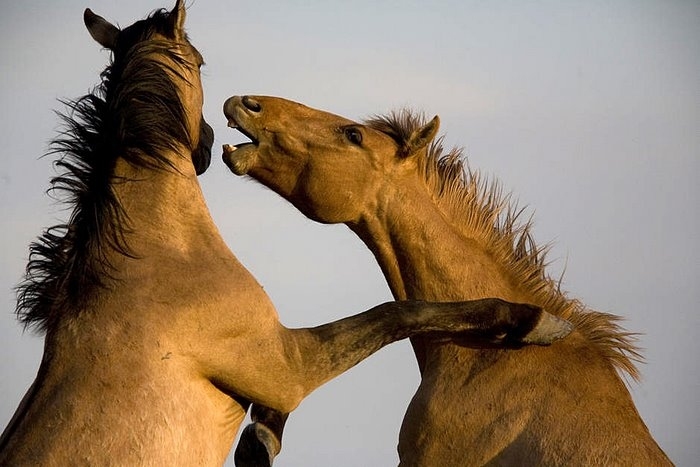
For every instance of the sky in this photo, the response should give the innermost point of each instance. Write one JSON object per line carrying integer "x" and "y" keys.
{"x": 588, "y": 112}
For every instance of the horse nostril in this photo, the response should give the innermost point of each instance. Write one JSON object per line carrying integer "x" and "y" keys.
{"x": 251, "y": 104}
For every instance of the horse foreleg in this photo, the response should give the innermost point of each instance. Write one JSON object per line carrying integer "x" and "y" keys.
{"x": 260, "y": 441}
{"x": 343, "y": 343}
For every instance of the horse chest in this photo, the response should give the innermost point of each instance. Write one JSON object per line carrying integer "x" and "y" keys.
{"x": 462, "y": 414}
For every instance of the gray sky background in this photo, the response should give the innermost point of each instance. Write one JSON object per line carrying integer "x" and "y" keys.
{"x": 588, "y": 111}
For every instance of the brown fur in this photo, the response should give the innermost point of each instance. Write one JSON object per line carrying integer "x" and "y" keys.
{"x": 440, "y": 232}
{"x": 482, "y": 210}
{"x": 157, "y": 337}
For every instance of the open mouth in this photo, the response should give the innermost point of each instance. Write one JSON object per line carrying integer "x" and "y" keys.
{"x": 241, "y": 157}
{"x": 236, "y": 126}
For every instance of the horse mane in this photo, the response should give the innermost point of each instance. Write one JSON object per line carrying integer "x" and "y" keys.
{"x": 135, "y": 113}
{"x": 482, "y": 207}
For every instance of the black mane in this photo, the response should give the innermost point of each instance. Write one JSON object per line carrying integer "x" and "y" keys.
{"x": 135, "y": 114}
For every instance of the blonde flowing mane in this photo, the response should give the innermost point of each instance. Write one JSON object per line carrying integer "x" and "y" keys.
{"x": 481, "y": 207}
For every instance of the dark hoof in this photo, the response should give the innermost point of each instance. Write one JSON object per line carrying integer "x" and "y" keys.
{"x": 257, "y": 447}
{"x": 549, "y": 329}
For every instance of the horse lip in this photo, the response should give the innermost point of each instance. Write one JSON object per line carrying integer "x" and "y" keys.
{"x": 240, "y": 159}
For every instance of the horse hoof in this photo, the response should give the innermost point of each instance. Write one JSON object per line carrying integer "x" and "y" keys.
{"x": 549, "y": 329}
{"x": 257, "y": 447}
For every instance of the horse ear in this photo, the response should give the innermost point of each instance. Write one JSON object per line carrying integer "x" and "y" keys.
{"x": 421, "y": 137}
{"x": 104, "y": 32}
{"x": 177, "y": 19}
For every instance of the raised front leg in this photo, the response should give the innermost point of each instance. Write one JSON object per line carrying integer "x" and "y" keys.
{"x": 490, "y": 320}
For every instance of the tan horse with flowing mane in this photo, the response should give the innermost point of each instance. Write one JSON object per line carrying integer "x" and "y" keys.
{"x": 441, "y": 233}
{"x": 157, "y": 338}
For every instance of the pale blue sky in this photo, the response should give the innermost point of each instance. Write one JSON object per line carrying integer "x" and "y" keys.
{"x": 588, "y": 111}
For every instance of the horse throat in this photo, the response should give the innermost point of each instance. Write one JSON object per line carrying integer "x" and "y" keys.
{"x": 424, "y": 256}
{"x": 169, "y": 237}
{"x": 164, "y": 209}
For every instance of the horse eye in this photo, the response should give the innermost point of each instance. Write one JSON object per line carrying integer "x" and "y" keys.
{"x": 353, "y": 135}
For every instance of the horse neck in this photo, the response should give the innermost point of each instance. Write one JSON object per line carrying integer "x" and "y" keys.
{"x": 166, "y": 211}
{"x": 425, "y": 256}
{"x": 171, "y": 239}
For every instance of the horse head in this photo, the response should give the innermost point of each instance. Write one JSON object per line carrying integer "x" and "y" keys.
{"x": 148, "y": 39}
{"x": 331, "y": 168}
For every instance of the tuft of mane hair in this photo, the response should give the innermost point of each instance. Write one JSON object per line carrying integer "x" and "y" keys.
{"x": 135, "y": 114}
{"x": 480, "y": 207}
